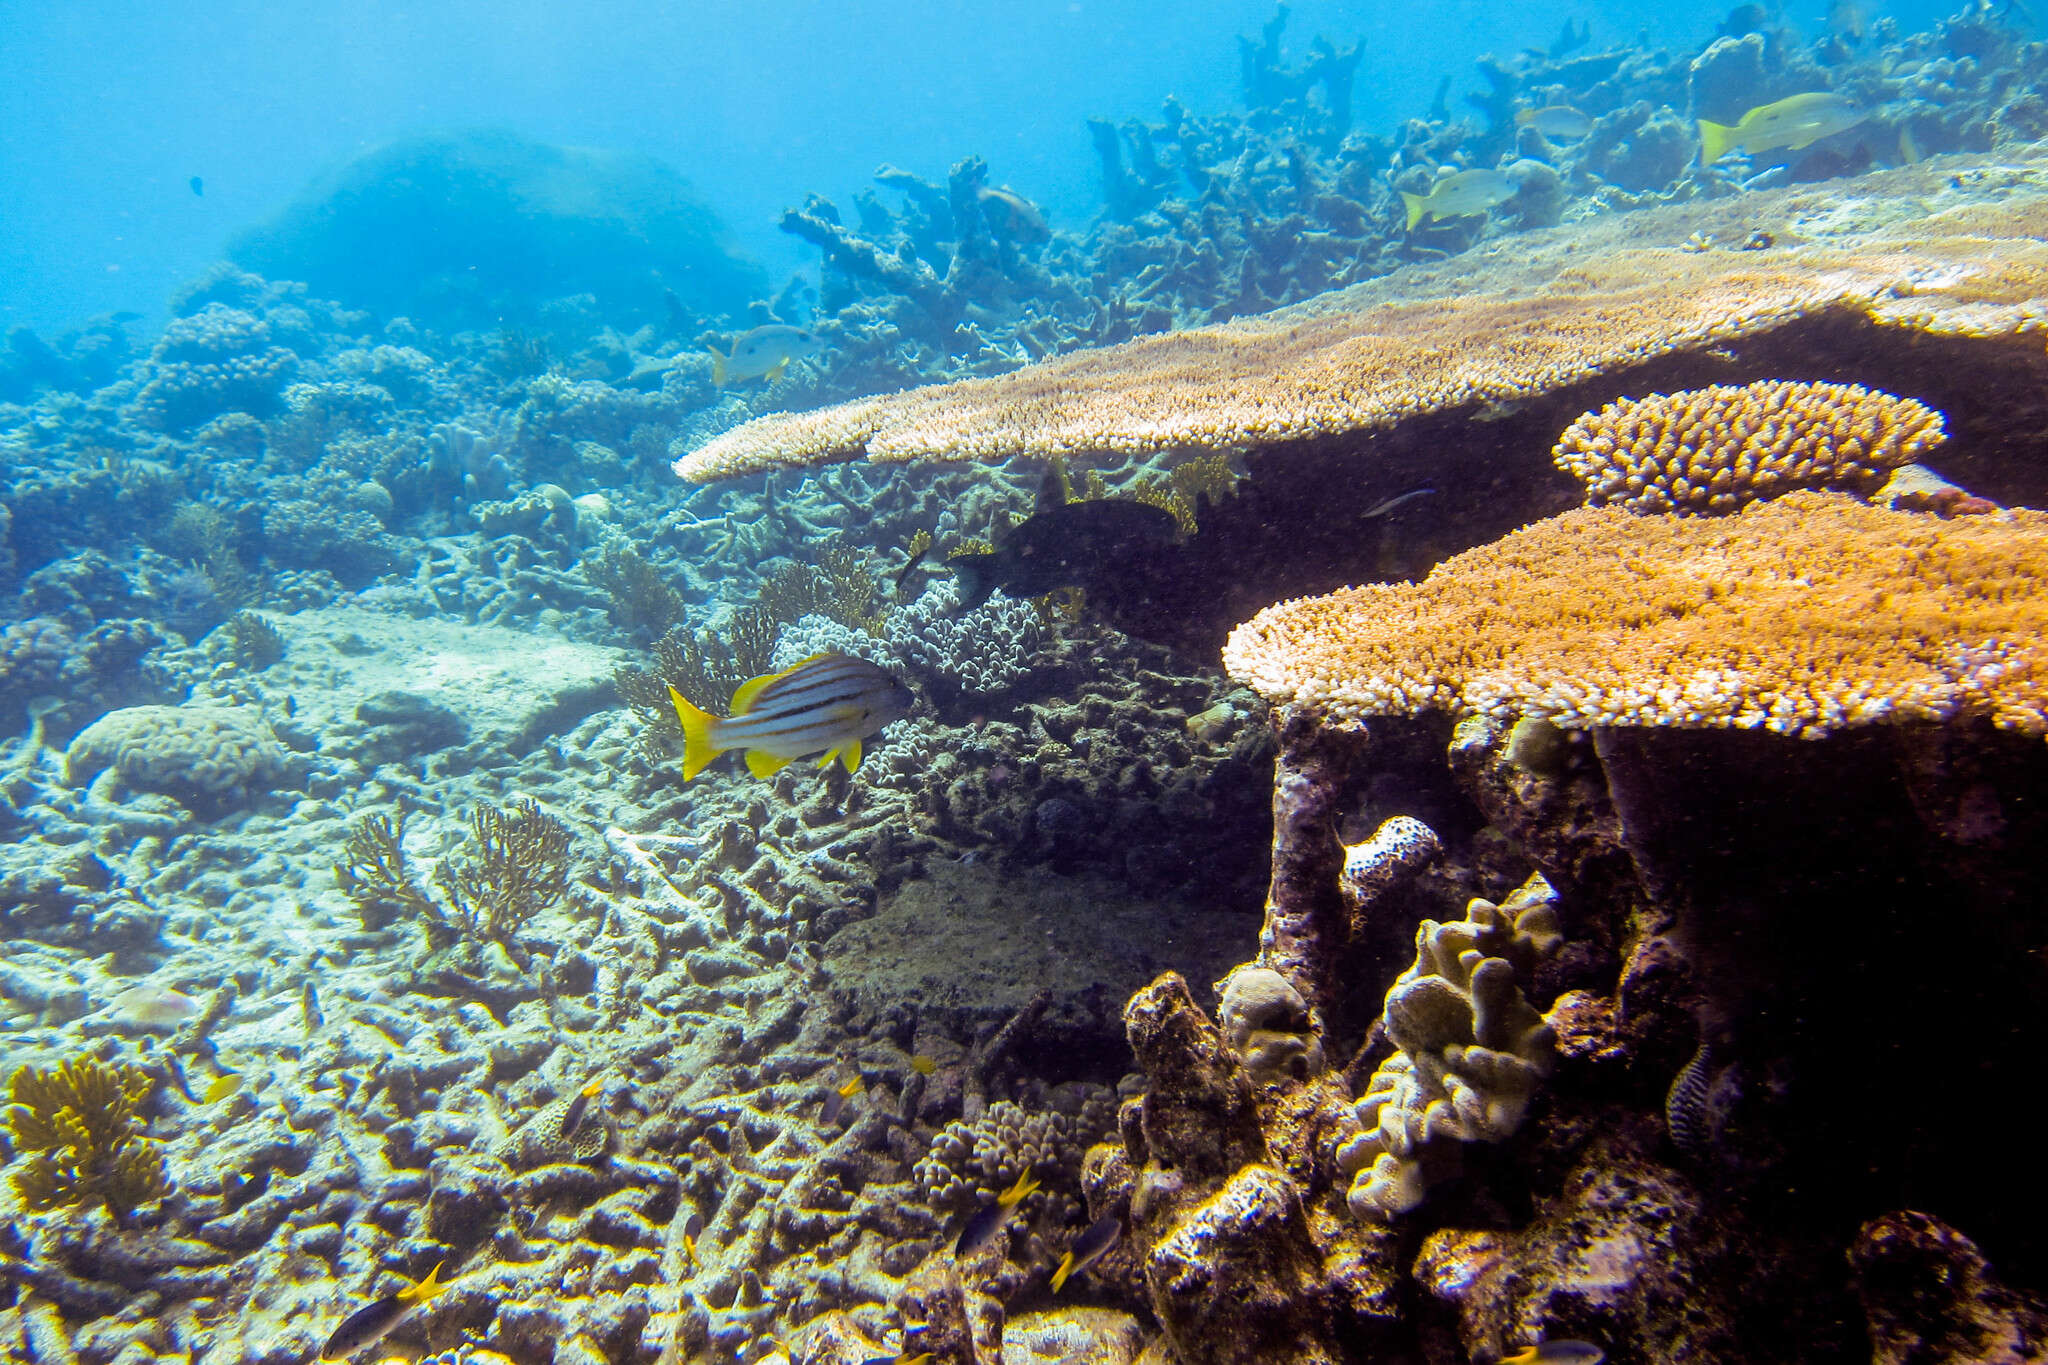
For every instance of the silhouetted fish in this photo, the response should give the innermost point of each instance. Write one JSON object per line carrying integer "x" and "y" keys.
{"x": 371, "y": 1323}
{"x": 198, "y": 186}
{"x": 1065, "y": 545}
{"x": 1090, "y": 1247}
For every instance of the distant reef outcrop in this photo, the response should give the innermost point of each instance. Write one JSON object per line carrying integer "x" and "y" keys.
{"x": 467, "y": 229}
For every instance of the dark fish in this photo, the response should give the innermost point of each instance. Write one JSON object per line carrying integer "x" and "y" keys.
{"x": 1066, "y": 545}
{"x": 1013, "y": 216}
{"x": 1397, "y": 500}
{"x": 309, "y": 1008}
{"x": 988, "y": 1220}
{"x": 827, "y": 704}
{"x": 922, "y": 553}
{"x": 1090, "y": 1247}
{"x": 371, "y": 1323}
{"x": 692, "y": 1230}
{"x": 198, "y": 186}
{"x": 243, "y": 1187}
{"x": 573, "y": 1115}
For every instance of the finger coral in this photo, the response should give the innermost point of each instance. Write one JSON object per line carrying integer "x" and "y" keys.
{"x": 1719, "y": 448}
{"x": 80, "y": 1138}
{"x": 1801, "y": 615}
{"x": 1557, "y": 311}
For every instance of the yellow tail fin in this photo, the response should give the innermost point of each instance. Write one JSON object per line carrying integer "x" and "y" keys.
{"x": 717, "y": 366}
{"x": 1059, "y": 1277}
{"x": 761, "y": 763}
{"x": 1715, "y": 141}
{"x": 698, "y": 748}
{"x": 1415, "y": 204}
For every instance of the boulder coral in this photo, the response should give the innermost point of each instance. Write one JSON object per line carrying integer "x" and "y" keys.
{"x": 211, "y": 758}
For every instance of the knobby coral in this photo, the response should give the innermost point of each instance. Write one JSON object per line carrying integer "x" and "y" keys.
{"x": 1472, "y": 1050}
{"x": 81, "y": 1139}
{"x": 1801, "y": 615}
{"x": 1558, "y": 310}
{"x": 1720, "y": 448}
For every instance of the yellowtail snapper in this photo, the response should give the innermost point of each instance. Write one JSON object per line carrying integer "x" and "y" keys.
{"x": 1459, "y": 196}
{"x": 1790, "y": 123}
{"x": 826, "y": 704}
{"x": 988, "y": 1220}
{"x": 371, "y": 1323}
{"x": 1090, "y": 1247}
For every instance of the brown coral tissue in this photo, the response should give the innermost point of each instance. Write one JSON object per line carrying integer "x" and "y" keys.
{"x": 81, "y": 1140}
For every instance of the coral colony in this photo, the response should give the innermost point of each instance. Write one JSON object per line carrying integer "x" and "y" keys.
{"x": 1434, "y": 823}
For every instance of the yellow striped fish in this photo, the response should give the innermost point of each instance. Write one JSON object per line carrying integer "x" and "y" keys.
{"x": 826, "y": 704}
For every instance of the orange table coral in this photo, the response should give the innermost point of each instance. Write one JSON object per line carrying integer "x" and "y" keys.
{"x": 1801, "y": 615}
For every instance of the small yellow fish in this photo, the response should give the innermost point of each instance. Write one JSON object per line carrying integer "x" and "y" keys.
{"x": 224, "y": 1085}
{"x": 1791, "y": 123}
{"x": 923, "y": 1065}
{"x": 1554, "y": 121}
{"x": 849, "y": 1088}
{"x": 1459, "y": 196}
{"x": 1557, "y": 1353}
{"x": 692, "y": 1230}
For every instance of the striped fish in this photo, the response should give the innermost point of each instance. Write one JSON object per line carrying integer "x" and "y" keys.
{"x": 827, "y": 704}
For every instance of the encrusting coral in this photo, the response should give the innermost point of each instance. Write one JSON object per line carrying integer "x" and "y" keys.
{"x": 1802, "y": 615}
{"x": 1720, "y": 448}
{"x": 80, "y": 1138}
{"x": 1560, "y": 309}
{"x": 1471, "y": 1050}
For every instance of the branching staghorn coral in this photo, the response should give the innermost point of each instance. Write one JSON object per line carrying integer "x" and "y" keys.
{"x": 80, "y": 1138}
{"x": 1472, "y": 1050}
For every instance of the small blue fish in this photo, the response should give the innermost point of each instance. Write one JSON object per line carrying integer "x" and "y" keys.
{"x": 827, "y": 704}
{"x": 198, "y": 187}
{"x": 988, "y": 1220}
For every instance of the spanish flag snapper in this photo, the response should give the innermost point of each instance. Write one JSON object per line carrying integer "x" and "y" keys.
{"x": 826, "y": 704}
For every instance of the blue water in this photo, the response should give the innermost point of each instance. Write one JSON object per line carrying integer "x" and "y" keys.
{"x": 108, "y": 109}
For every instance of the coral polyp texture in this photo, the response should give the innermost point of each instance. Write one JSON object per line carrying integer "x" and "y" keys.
{"x": 1495, "y": 327}
{"x": 1720, "y": 448}
{"x": 1803, "y": 615}
{"x": 1472, "y": 1050}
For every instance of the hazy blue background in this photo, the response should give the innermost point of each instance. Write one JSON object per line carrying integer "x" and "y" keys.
{"x": 109, "y": 106}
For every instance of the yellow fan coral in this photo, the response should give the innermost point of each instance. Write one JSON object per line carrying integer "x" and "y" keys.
{"x": 1719, "y": 448}
{"x": 1802, "y": 615}
{"x": 80, "y": 1137}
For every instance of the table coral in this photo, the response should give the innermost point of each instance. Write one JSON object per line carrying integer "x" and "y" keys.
{"x": 1562, "y": 308}
{"x": 1802, "y": 615}
{"x": 1720, "y": 448}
